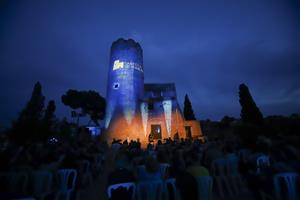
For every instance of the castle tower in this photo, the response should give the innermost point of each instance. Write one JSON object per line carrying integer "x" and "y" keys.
{"x": 125, "y": 88}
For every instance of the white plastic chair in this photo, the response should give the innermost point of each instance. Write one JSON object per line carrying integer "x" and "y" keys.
{"x": 144, "y": 175}
{"x": 172, "y": 183}
{"x": 84, "y": 172}
{"x": 260, "y": 161}
{"x": 64, "y": 177}
{"x": 150, "y": 190}
{"x": 140, "y": 170}
{"x": 220, "y": 173}
{"x": 122, "y": 185}
{"x": 205, "y": 184}
{"x": 42, "y": 182}
{"x": 163, "y": 169}
{"x": 234, "y": 176}
{"x": 290, "y": 180}
{"x": 98, "y": 162}
{"x": 232, "y": 165}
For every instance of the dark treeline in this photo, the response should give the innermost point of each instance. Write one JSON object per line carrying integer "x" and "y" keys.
{"x": 37, "y": 122}
{"x": 252, "y": 127}
{"x": 39, "y": 141}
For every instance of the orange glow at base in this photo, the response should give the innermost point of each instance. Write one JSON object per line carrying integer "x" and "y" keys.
{"x": 120, "y": 129}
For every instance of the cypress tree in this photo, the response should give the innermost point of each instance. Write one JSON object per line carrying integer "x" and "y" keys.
{"x": 48, "y": 120}
{"x": 28, "y": 125}
{"x": 188, "y": 110}
{"x": 34, "y": 107}
{"x": 250, "y": 113}
{"x": 49, "y": 113}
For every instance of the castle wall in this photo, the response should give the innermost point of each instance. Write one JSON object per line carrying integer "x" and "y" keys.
{"x": 127, "y": 111}
{"x": 195, "y": 128}
{"x": 125, "y": 85}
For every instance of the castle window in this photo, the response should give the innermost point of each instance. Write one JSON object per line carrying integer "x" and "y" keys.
{"x": 150, "y": 106}
{"x": 116, "y": 86}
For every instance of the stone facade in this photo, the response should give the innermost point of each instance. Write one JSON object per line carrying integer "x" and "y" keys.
{"x": 141, "y": 111}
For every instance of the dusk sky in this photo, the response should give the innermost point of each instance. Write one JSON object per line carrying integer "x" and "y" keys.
{"x": 207, "y": 48}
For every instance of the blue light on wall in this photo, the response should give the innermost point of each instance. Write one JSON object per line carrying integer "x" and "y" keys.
{"x": 94, "y": 130}
{"x": 125, "y": 81}
{"x": 167, "y": 105}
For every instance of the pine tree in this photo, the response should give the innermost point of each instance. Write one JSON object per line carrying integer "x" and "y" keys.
{"x": 49, "y": 116}
{"x": 34, "y": 107}
{"x": 188, "y": 110}
{"x": 250, "y": 113}
{"x": 49, "y": 113}
{"x": 90, "y": 102}
{"x": 28, "y": 125}
{"x": 48, "y": 121}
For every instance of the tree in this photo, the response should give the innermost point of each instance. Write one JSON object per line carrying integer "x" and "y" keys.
{"x": 250, "y": 113}
{"x": 90, "y": 102}
{"x": 188, "y": 110}
{"x": 27, "y": 126}
{"x": 49, "y": 119}
{"x": 226, "y": 121}
{"x": 34, "y": 107}
{"x": 49, "y": 113}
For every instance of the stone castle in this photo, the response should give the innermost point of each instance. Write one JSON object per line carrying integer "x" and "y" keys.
{"x": 136, "y": 110}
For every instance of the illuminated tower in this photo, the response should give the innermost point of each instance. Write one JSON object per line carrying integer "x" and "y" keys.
{"x": 135, "y": 110}
{"x": 125, "y": 88}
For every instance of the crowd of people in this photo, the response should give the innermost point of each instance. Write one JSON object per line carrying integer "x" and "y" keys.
{"x": 126, "y": 161}
{"x": 234, "y": 168}
{"x": 49, "y": 156}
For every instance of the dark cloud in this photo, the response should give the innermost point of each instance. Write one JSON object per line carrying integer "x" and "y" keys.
{"x": 207, "y": 48}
